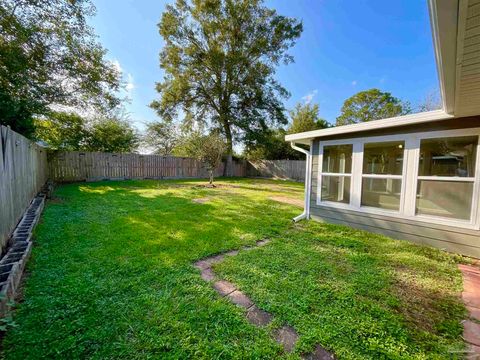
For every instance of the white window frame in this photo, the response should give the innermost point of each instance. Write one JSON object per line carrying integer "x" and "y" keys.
{"x": 409, "y": 177}
{"x": 339, "y": 175}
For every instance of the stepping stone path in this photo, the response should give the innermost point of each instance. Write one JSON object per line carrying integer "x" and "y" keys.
{"x": 286, "y": 335}
{"x": 471, "y": 299}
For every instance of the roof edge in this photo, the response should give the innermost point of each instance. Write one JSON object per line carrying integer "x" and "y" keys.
{"x": 410, "y": 119}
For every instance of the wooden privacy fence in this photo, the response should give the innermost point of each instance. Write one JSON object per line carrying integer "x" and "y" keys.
{"x": 68, "y": 166}
{"x": 280, "y": 169}
{"x": 23, "y": 172}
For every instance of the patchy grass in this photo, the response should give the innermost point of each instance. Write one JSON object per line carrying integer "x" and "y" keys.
{"x": 111, "y": 276}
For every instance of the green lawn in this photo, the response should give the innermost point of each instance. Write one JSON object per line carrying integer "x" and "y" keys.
{"x": 111, "y": 276}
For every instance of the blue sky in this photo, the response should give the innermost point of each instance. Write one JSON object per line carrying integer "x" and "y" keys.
{"x": 346, "y": 47}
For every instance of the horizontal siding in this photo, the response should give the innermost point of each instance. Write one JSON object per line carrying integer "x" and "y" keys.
{"x": 453, "y": 239}
{"x": 452, "y": 245}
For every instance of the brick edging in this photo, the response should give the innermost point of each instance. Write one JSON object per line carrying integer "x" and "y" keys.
{"x": 12, "y": 264}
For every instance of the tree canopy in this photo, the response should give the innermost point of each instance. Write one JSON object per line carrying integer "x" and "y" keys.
{"x": 207, "y": 148}
{"x": 50, "y": 56}
{"x": 161, "y": 137}
{"x": 305, "y": 117}
{"x": 61, "y": 131}
{"x": 111, "y": 134}
{"x": 219, "y": 60}
{"x": 370, "y": 105}
{"x": 71, "y": 132}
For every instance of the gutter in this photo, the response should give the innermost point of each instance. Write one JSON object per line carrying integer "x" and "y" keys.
{"x": 308, "y": 179}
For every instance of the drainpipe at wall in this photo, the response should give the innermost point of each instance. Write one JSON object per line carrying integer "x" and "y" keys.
{"x": 308, "y": 178}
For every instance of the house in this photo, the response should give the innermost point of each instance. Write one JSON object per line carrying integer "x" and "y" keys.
{"x": 414, "y": 177}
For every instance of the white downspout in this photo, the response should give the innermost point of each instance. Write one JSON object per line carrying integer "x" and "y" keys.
{"x": 308, "y": 177}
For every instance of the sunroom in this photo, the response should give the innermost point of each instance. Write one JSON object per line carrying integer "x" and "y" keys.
{"x": 414, "y": 177}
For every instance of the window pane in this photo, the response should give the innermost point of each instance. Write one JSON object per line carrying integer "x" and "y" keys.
{"x": 336, "y": 189}
{"x": 450, "y": 199}
{"x": 383, "y": 158}
{"x": 337, "y": 159}
{"x": 448, "y": 156}
{"x": 381, "y": 193}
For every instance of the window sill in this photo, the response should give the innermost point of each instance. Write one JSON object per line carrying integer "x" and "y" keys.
{"x": 463, "y": 224}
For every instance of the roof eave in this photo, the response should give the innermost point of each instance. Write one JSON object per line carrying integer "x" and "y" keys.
{"x": 403, "y": 120}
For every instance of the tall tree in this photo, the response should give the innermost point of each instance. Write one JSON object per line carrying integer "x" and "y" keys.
{"x": 161, "y": 136}
{"x": 305, "y": 117}
{"x": 370, "y": 105}
{"x": 219, "y": 60}
{"x": 61, "y": 131}
{"x": 49, "y": 55}
{"x": 111, "y": 134}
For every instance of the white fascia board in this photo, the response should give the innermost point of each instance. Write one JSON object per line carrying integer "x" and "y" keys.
{"x": 404, "y": 120}
{"x": 444, "y": 26}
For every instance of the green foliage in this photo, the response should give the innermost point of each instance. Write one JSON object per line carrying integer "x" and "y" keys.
{"x": 208, "y": 149}
{"x": 219, "y": 61}
{"x": 111, "y": 134}
{"x": 61, "y": 131}
{"x": 162, "y": 136}
{"x": 111, "y": 276}
{"x": 359, "y": 295}
{"x": 305, "y": 117}
{"x": 271, "y": 145}
{"x": 49, "y": 55}
{"x": 371, "y": 105}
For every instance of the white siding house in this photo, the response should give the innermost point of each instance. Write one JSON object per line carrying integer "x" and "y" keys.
{"x": 414, "y": 177}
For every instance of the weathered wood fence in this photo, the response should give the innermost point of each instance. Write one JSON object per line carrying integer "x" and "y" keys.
{"x": 69, "y": 166}
{"x": 279, "y": 169}
{"x": 23, "y": 171}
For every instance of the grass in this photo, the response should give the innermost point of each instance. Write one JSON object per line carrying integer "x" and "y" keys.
{"x": 111, "y": 276}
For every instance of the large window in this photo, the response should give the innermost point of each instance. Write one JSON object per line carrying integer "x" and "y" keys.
{"x": 415, "y": 176}
{"x": 336, "y": 173}
{"x": 446, "y": 175}
{"x": 382, "y": 175}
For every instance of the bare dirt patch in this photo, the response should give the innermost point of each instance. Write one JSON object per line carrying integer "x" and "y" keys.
{"x": 287, "y": 200}
{"x": 201, "y": 200}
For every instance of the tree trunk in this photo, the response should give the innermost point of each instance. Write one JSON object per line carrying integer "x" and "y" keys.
{"x": 211, "y": 177}
{"x": 228, "y": 170}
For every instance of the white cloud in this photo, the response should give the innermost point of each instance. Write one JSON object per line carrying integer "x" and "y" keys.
{"x": 354, "y": 83}
{"x": 117, "y": 66}
{"x": 309, "y": 97}
{"x": 130, "y": 84}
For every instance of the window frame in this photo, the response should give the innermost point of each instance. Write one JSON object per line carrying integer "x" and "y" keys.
{"x": 321, "y": 174}
{"x": 410, "y": 177}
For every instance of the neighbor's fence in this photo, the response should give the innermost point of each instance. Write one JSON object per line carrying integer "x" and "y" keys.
{"x": 68, "y": 166}
{"x": 23, "y": 172}
{"x": 280, "y": 169}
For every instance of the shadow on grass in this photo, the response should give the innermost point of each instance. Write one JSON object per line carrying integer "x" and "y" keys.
{"x": 358, "y": 294}
{"x": 111, "y": 273}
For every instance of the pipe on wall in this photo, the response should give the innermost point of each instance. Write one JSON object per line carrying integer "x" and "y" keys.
{"x": 308, "y": 178}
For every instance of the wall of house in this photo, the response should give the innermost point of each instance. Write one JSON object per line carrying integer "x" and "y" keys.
{"x": 453, "y": 239}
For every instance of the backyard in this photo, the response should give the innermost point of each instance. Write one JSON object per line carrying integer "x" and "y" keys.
{"x": 112, "y": 276}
